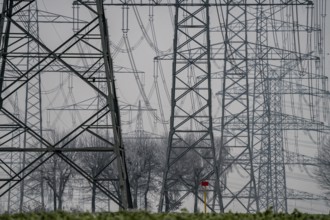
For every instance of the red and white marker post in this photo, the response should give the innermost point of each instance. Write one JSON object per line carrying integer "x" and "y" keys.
{"x": 204, "y": 185}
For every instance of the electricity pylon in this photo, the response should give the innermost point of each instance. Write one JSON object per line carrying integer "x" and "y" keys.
{"x": 273, "y": 80}
{"x": 33, "y": 110}
{"x": 256, "y": 72}
{"x": 14, "y": 76}
{"x": 235, "y": 144}
{"x": 243, "y": 125}
{"x": 191, "y": 155}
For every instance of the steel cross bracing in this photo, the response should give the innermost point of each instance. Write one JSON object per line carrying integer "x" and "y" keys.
{"x": 33, "y": 114}
{"x": 300, "y": 195}
{"x": 272, "y": 173}
{"x": 13, "y": 157}
{"x": 276, "y": 68}
{"x": 235, "y": 144}
{"x": 16, "y": 74}
{"x": 191, "y": 105}
{"x": 291, "y": 121}
{"x": 139, "y": 125}
{"x": 272, "y": 54}
{"x": 14, "y": 199}
{"x": 293, "y": 194}
{"x": 275, "y": 155}
{"x": 139, "y": 133}
{"x": 261, "y": 111}
{"x": 293, "y": 158}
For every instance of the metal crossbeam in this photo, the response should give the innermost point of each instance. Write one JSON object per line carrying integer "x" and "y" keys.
{"x": 198, "y": 3}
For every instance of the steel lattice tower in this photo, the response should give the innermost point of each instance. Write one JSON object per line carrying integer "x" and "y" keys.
{"x": 267, "y": 131}
{"x": 23, "y": 56}
{"x": 190, "y": 136}
{"x": 252, "y": 115}
{"x": 260, "y": 125}
{"x": 235, "y": 145}
{"x": 139, "y": 124}
{"x": 269, "y": 121}
{"x": 33, "y": 114}
{"x": 258, "y": 74}
{"x": 273, "y": 66}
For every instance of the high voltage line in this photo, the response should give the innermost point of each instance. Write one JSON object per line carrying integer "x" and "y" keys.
{"x": 262, "y": 61}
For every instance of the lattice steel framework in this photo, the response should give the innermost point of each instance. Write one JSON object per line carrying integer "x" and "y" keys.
{"x": 249, "y": 132}
{"x": 33, "y": 112}
{"x": 139, "y": 124}
{"x": 235, "y": 144}
{"x": 23, "y": 57}
{"x": 274, "y": 76}
{"x": 260, "y": 119}
{"x": 190, "y": 137}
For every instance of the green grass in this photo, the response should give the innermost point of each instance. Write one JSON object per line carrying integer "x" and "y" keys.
{"x": 268, "y": 215}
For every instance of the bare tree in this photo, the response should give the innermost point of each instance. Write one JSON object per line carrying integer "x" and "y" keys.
{"x": 50, "y": 180}
{"x": 194, "y": 166}
{"x": 144, "y": 164}
{"x": 98, "y": 165}
{"x": 189, "y": 171}
{"x": 56, "y": 173}
{"x": 323, "y": 170}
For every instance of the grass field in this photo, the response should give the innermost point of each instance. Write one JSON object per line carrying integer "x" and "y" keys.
{"x": 163, "y": 216}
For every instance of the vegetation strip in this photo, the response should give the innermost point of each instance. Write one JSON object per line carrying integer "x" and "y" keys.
{"x": 268, "y": 215}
